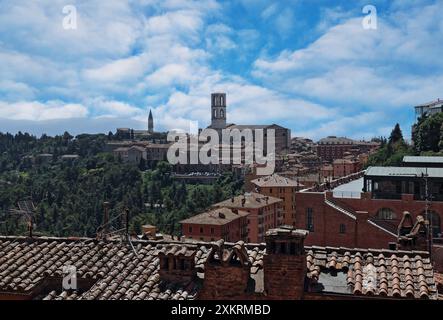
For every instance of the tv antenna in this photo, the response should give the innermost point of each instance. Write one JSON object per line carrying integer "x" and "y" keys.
{"x": 26, "y": 210}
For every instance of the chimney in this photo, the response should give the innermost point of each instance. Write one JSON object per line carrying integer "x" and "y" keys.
{"x": 416, "y": 238}
{"x": 177, "y": 263}
{"x": 285, "y": 263}
{"x": 243, "y": 201}
{"x": 227, "y": 272}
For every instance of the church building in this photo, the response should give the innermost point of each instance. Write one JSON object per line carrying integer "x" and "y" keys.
{"x": 218, "y": 122}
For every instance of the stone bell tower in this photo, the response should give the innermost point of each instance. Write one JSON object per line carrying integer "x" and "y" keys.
{"x": 218, "y": 110}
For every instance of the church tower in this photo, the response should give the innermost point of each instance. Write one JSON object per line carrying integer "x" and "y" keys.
{"x": 150, "y": 123}
{"x": 218, "y": 110}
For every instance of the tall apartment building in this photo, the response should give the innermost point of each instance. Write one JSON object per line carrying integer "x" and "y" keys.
{"x": 332, "y": 147}
{"x": 264, "y": 213}
{"x": 283, "y": 188}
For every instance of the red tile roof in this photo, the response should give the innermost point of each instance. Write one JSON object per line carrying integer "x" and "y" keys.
{"x": 115, "y": 271}
{"x": 220, "y": 216}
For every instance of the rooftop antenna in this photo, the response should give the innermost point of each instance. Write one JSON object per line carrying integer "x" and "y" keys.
{"x": 27, "y": 211}
{"x": 427, "y": 215}
{"x": 128, "y": 237}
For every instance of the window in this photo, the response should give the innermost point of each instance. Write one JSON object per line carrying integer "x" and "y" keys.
{"x": 190, "y": 229}
{"x": 342, "y": 228}
{"x": 309, "y": 220}
{"x": 212, "y": 230}
{"x": 201, "y": 230}
{"x": 386, "y": 214}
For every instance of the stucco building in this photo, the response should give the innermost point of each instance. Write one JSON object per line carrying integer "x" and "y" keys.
{"x": 264, "y": 213}
{"x": 221, "y": 223}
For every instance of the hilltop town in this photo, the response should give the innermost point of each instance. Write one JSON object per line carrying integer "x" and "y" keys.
{"x": 340, "y": 218}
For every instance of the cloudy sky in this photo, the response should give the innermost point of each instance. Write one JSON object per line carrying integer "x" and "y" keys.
{"x": 308, "y": 65}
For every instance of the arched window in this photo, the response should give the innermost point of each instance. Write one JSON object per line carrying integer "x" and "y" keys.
{"x": 222, "y": 113}
{"x": 215, "y": 113}
{"x": 386, "y": 214}
{"x": 221, "y": 100}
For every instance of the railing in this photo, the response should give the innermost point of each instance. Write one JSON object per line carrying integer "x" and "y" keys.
{"x": 335, "y": 183}
{"x": 340, "y": 206}
{"x": 385, "y": 224}
{"x": 347, "y": 194}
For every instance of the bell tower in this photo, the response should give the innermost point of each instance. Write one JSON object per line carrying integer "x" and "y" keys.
{"x": 218, "y": 110}
{"x": 150, "y": 122}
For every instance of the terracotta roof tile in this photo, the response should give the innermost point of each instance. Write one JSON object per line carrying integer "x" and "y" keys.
{"x": 114, "y": 271}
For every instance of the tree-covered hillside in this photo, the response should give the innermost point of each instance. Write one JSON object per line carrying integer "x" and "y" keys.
{"x": 69, "y": 195}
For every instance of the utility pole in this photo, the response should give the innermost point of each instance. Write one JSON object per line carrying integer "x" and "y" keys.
{"x": 429, "y": 235}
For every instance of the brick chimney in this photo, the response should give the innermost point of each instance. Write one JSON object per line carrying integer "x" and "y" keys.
{"x": 285, "y": 263}
{"x": 227, "y": 272}
{"x": 414, "y": 238}
{"x": 177, "y": 263}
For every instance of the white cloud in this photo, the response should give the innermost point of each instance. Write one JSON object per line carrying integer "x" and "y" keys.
{"x": 41, "y": 111}
{"x": 114, "y": 108}
{"x": 387, "y": 67}
{"x": 118, "y": 70}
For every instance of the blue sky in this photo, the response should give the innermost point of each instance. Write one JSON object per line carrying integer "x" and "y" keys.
{"x": 308, "y": 65}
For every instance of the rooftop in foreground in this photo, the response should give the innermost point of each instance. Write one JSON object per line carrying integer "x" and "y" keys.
{"x": 33, "y": 269}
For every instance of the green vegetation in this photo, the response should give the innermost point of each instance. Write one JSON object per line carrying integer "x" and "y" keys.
{"x": 428, "y": 136}
{"x": 69, "y": 194}
{"x": 427, "y": 141}
{"x": 391, "y": 151}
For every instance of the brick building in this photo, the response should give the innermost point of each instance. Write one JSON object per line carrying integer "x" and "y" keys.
{"x": 332, "y": 147}
{"x": 264, "y": 213}
{"x": 368, "y": 215}
{"x": 283, "y": 188}
{"x": 222, "y": 223}
{"x": 345, "y": 167}
{"x": 281, "y": 268}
